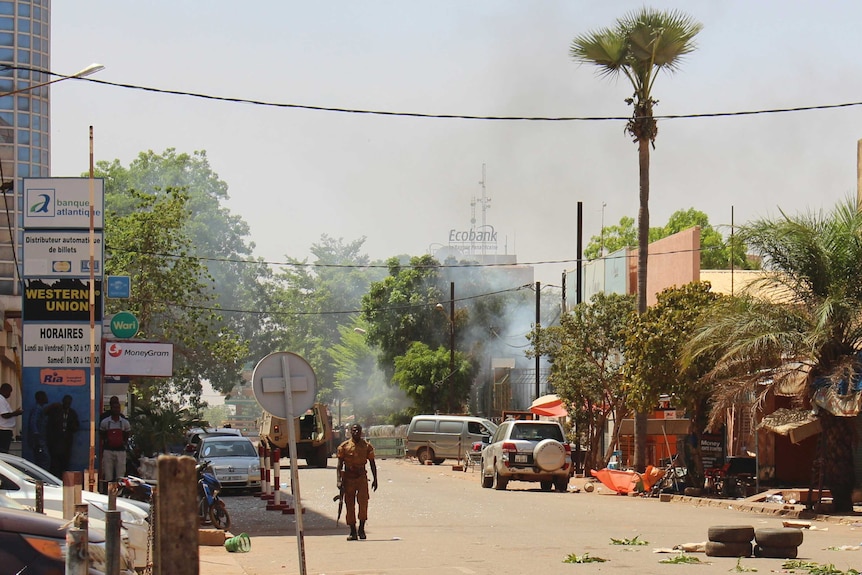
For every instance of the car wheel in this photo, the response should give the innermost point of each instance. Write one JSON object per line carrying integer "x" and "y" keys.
{"x": 424, "y": 455}
{"x": 438, "y": 460}
{"x": 562, "y": 484}
{"x": 549, "y": 455}
{"x": 546, "y": 485}
{"x": 500, "y": 482}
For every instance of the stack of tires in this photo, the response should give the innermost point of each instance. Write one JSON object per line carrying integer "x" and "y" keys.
{"x": 729, "y": 541}
{"x": 780, "y": 543}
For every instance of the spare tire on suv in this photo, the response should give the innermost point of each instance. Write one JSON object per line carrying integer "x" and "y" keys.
{"x": 549, "y": 455}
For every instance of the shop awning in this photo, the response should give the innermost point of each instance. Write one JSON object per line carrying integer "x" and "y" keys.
{"x": 549, "y": 406}
{"x": 798, "y": 424}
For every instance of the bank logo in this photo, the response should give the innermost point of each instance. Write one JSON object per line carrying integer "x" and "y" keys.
{"x": 41, "y": 203}
{"x": 115, "y": 350}
{"x": 62, "y": 266}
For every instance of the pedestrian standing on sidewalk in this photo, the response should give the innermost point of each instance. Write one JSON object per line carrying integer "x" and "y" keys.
{"x": 353, "y": 454}
{"x": 7, "y": 418}
{"x": 37, "y": 432}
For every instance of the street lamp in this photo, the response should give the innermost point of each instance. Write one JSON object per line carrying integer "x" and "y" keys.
{"x": 89, "y": 70}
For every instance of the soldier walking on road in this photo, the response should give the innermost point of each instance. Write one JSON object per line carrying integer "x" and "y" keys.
{"x": 353, "y": 479}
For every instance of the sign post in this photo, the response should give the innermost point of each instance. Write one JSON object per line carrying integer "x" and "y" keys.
{"x": 284, "y": 384}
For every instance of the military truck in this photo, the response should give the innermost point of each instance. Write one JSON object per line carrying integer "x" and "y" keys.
{"x": 314, "y": 438}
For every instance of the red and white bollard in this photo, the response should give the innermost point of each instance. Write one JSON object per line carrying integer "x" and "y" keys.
{"x": 265, "y": 486}
{"x": 276, "y": 504}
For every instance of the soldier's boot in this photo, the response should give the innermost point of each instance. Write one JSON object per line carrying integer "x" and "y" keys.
{"x": 352, "y": 536}
{"x": 362, "y": 529}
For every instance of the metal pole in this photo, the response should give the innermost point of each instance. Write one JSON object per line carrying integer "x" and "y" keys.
{"x": 112, "y": 542}
{"x": 451, "y": 377}
{"x": 538, "y": 327}
{"x": 294, "y": 466}
{"x": 92, "y": 466}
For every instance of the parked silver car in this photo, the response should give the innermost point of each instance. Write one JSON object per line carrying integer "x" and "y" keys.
{"x": 234, "y": 460}
{"x": 527, "y": 450}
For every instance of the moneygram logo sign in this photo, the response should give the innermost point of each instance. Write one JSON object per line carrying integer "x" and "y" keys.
{"x": 139, "y": 358}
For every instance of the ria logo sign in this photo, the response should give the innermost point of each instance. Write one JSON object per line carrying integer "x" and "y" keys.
{"x": 41, "y": 203}
{"x": 115, "y": 350}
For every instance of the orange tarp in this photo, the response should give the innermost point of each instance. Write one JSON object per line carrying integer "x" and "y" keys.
{"x": 616, "y": 480}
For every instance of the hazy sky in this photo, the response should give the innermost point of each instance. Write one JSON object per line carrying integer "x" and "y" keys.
{"x": 405, "y": 182}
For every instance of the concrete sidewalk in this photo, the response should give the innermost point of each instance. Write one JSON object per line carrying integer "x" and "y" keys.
{"x": 218, "y": 561}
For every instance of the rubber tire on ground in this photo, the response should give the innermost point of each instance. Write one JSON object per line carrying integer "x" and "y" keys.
{"x": 721, "y": 549}
{"x": 500, "y": 482}
{"x": 776, "y": 552}
{"x": 778, "y": 537}
{"x": 549, "y": 455}
{"x": 562, "y": 484}
{"x": 731, "y": 533}
{"x": 546, "y": 485}
{"x": 424, "y": 454}
{"x": 438, "y": 460}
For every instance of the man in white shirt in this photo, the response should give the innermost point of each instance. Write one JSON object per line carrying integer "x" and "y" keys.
{"x": 7, "y": 418}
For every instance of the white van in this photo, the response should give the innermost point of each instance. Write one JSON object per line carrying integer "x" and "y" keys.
{"x": 438, "y": 437}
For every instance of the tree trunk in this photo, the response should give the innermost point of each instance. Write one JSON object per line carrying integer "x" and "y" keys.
{"x": 643, "y": 253}
{"x": 837, "y": 459}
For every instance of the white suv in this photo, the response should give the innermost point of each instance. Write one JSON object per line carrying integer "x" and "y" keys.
{"x": 527, "y": 450}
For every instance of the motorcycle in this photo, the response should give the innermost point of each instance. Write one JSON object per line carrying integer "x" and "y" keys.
{"x": 210, "y": 506}
{"x": 132, "y": 487}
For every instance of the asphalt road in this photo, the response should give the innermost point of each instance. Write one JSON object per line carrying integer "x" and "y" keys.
{"x": 431, "y": 519}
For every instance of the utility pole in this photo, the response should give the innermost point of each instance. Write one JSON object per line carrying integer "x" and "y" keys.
{"x": 451, "y": 338}
{"x": 538, "y": 327}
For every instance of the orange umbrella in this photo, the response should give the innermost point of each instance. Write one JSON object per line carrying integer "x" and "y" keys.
{"x": 549, "y": 405}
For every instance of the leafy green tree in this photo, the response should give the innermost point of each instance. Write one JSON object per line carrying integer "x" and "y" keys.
{"x": 639, "y": 46}
{"x": 424, "y": 374}
{"x": 586, "y": 352}
{"x": 157, "y": 427}
{"x": 816, "y": 265}
{"x": 217, "y": 237}
{"x": 171, "y": 294}
{"x": 400, "y": 310}
{"x": 715, "y": 251}
{"x": 309, "y": 301}
{"x": 360, "y": 383}
{"x": 653, "y": 359}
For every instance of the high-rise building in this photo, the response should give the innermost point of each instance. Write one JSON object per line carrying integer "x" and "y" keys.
{"x": 25, "y": 112}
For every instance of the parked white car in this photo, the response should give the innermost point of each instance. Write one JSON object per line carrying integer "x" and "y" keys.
{"x": 20, "y": 485}
{"x": 527, "y": 450}
{"x": 48, "y": 478}
{"x": 234, "y": 460}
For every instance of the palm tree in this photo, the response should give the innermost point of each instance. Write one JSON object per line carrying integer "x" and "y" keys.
{"x": 640, "y": 45}
{"x": 815, "y": 322}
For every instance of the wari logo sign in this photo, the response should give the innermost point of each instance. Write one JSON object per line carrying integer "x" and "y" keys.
{"x": 124, "y": 325}
{"x": 140, "y": 358}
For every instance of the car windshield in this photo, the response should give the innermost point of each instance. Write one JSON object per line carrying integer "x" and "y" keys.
{"x": 536, "y": 432}
{"x": 228, "y": 449}
{"x": 33, "y": 472}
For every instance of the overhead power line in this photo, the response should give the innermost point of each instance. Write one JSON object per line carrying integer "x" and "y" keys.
{"x": 342, "y": 110}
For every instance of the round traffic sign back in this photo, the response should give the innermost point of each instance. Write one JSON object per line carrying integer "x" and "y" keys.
{"x": 271, "y": 376}
{"x": 124, "y": 325}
